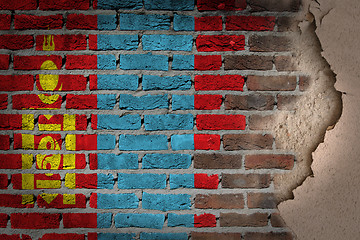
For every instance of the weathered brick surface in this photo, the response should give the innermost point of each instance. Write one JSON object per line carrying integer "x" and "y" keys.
{"x": 261, "y": 200}
{"x": 223, "y": 201}
{"x": 269, "y": 161}
{"x": 248, "y": 62}
{"x": 249, "y": 102}
{"x": 275, "y": 6}
{"x": 271, "y": 83}
{"x": 22, "y": 22}
{"x": 243, "y": 220}
{"x": 215, "y": 236}
{"x": 247, "y": 141}
{"x": 268, "y": 236}
{"x": 217, "y": 161}
{"x": 270, "y": 43}
{"x": 245, "y": 180}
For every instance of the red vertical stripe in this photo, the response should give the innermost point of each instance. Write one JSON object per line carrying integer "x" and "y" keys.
{"x": 93, "y": 161}
{"x": 207, "y": 142}
{"x": 93, "y": 200}
{"x": 204, "y": 220}
{"x": 94, "y": 121}
{"x": 86, "y": 180}
{"x": 207, "y": 102}
{"x": 93, "y": 82}
{"x": 93, "y": 42}
{"x": 203, "y": 181}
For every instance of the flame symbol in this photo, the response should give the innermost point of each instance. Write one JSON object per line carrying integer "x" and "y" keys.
{"x": 49, "y": 44}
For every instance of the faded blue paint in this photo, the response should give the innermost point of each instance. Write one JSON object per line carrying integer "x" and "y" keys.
{"x": 166, "y": 161}
{"x": 182, "y": 142}
{"x": 146, "y": 102}
{"x": 141, "y": 181}
{"x": 106, "y": 101}
{"x": 181, "y": 181}
{"x": 166, "y": 202}
{"x": 183, "y": 102}
{"x": 132, "y": 21}
{"x": 106, "y": 22}
{"x": 114, "y": 162}
{"x": 184, "y": 23}
{"x": 143, "y": 220}
{"x": 151, "y": 82}
{"x": 164, "y": 42}
{"x": 183, "y": 62}
{"x": 143, "y": 142}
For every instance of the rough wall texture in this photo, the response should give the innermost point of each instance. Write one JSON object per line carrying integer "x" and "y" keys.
{"x": 157, "y": 119}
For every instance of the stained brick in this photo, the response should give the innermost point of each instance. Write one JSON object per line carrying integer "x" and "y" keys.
{"x": 211, "y": 23}
{"x": 261, "y": 122}
{"x": 18, "y": 5}
{"x": 271, "y": 83}
{"x": 304, "y": 83}
{"x": 250, "y": 23}
{"x": 4, "y": 61}
{"x": 262, "y": 200}
{"x": 268, "y": 236}
{"x": 257, "y": 102}
{"x": 243, "y": 220}
{"x": 269, "y": 161}
{"x": 215, "y": 236}
{"x": 270, "y": 43}
{"x": 285, "y": 63}
{"x": 288, "y": 102}
{"x": 245, "y": 180}
{"x": 248, "y": 62}
{"x": 217, "y": 201}
{"x": 217, "y": 161}
{"x": 247, "y": 141}
{"x": 274, "y": 5}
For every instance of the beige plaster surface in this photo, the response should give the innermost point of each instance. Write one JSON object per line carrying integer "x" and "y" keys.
{"x": 327, "y": 204}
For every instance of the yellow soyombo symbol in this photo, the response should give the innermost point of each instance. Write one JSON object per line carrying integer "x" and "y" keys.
{"x": 48, "y": 99}
{"x": 48, "y": 82}
{"x": 48, "y": 143}
{"x": 48, "y": 44}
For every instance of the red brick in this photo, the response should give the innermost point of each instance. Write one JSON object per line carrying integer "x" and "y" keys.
{"x": 64, "y": 4}
{"x": 81, "y": 21}
{"x": 243, "y": 220}
{"x": 269, "y": 43}
{"x": 268, "y": 161}
{"x": 215, "y": 236}
{"x": 4, "y": 142}
{"x": 93, "y": 200}
{"x": 4, "y": 181}
{"x": 304, "y": 83}
{"x": 16, "y": 42}
{"x": 35, "y": 220}
{"x": 245, "y": 180}
{"x": 15, "y": 201}
{"x": 88, "y": 181}
{"x": 220, "y": 122}
{"x": 204, "y": 220}
{"x": 209, "y": 62}
{"x": 219, "y": 82}
{"x": 262, "y": 200}
{"x": 15, "y": 237}
{"x": 16, "y": 82}
{"x": 250, "y": 23}
{"x": 207, "y": 142}
{"x": 44, "y": 62}
{"x": 248, "y": 62}
{"x": 65, "y": 83}
{"x": 268, "y": 236}
{"x": 81, "y": 62}
{"x": 62, "y": 236}
{"x": 57, "y": 202}
{"x": 92, "y": 42}
{"x": 4, "y": 61}
{"x": 213, "y": 43}
{"x": 81, "y": 101}
{"x": 219, "y": 201}
{"x": 271, "y": 83}
{"x": 207, "y": 102}
{"x": 205, "y": 5}
{"x": 33, "y": 101}
{"x": 259, "y": 122}
{"x": 274, "y": 5}
{"x": 285, "y": 63}
{"x": 93, "y": 160}
{"x": 217, "y": 161}
{"x": 210, "y": 23}
{"x": 205, "y": 181}
{"x": 61, "y": 42}
{"x": 39, "y": 142}
{"x": 3, "y": 101}
{"x": 4, "y": 218}
{"x": 277, "y": 221}
{"x": 247, "y": 141}
{"x": 257, "y": 102}
{"x": 18, "y": 5}
{"x": 80, "y": 220}
{"x": 22, "y": 22}
{"x": 5, "y": 21}
{"x": 10, "y": 161}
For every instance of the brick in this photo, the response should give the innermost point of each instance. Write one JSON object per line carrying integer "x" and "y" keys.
{"x": 198, "y": 180}
{"x": 37, "y": 142}
{"x": 82, "y": 21}
{"x": 216, "y": 43}
{"x": 277, "y": 221}
{"x": 304, "y": 83}
{"x": 206, "y": 142}
{"x": 167, "y": 42}
{"x": 4, "y": 218}
{"x": 140, "y": 220}
{"x": 60, "y": 82}
{"x": 250, "y": 23}
{"x": 114, "y": 201}
{"x": 219, "y": 201}
{"x": 183, "y": 102}
{"x": 268, "y": 236}
{"x": 262, "y": 200}
{"x": 210, "y": 23}
{"x": 4, "y": 61}
{"x": 23, "y": 82}
{"x": 247, "y": 141}
{"x": 116, "y": 122}
{"x": 44, "y": 62}
{"x": 112, "y": 161}
{"x": 61, "y": 201}
{"x": 64, "y": 122}
{"x": 4, "y": 182}
{"x": 87, "y": 220}
{"x": 16, "y": 42}
{"x": 229, "y": 5}
{"x": 184, "y": 23}
{"x": 173, "y": 5}
{"x": 143, "y": 142}
{"x": 183, "y": 220}
{"x": 115, "y": 5}
{"x": 166, "y": 161}
{"x": 269, "y": 161}
{"x": 169, "y": 122}
{"x": 4, "y": 142}
{"x": 220, "y": 122}
{"x": 245, "y": 180}
{"x": 35, "y": 220}
{"x": 144, "y": 62}
{"x": 145, "y": 102}
{"x": 17, "y": 201}
{"x": 274, "y": 6}
{"x": 219, "y": 82}
{"x": 114, "y": 82}
{"x": 22, "y": 22}
{"x": 215, "y": 236}
{"x": 210, "y": 62}
{"x": 271, "y": 83}
{"x": 166, "y": 83}
{"x": 16, "y": 161}
{"x": 113, "y": 42}
{"x": 100, "y": 101}
{"x": 3, "y": 101}
{"x": 62, "y": 236}
{"x": 103, "y": 62}
{"x": 217, "y": 161}
{"x": 141, "y": 181}
{"x": 183, "y": 62}
{"x": 248, "y": 62}
{"x": 288, "y": 102}
{"x": 89, "y": 181}
{"x": 181, "y": 181}
{"x": 61, "y": 42}
{"x": 16, "y": 122}
{"x": 60, "y": 161}
{"x": 64, "y": 4}
{"x": 104, "y": 236}
{"x": 36, "y": 181}
{"x": 257, "y": 102}
{"x": 166, "y": 202}
{"x": 18, "y": 5}
{"x": 144, "y": 22}
{"x": 15, "y": 237}
{"x": 5, "y": 21}
{"x": 287, "y": 24}
{"x": 204, "y": 220}
{"x": 269, "y": 43}
{"x": 285, "y": 63}
{"x": 174, "y": 236}
{"x": 243, "y": 220}
{"x": 90, "y": 142}
{"x": 207, "y": 102}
